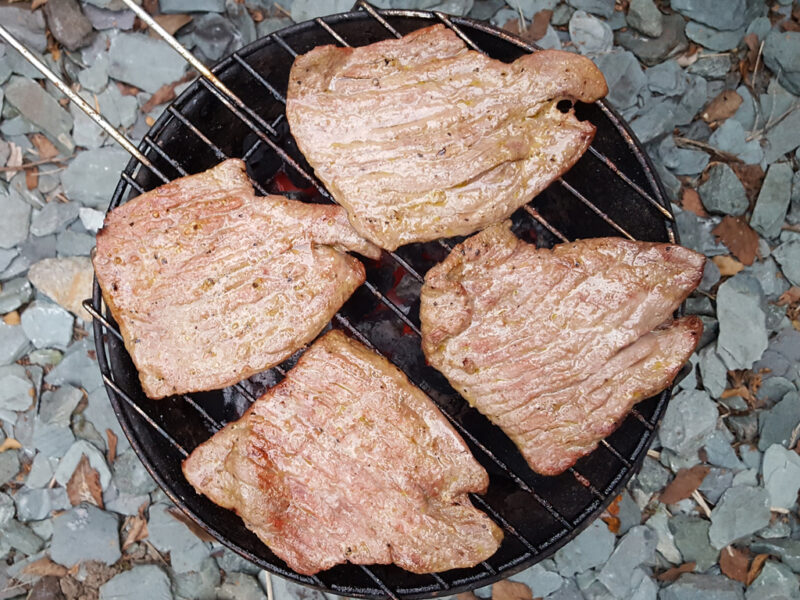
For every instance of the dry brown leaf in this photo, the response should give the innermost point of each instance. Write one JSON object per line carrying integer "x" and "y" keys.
{"x": 111, "y": 455}
{"x": 37, "y": 3}
{"x": 137, "y": 531}
{"x": 727, "y": 265}
{"x": 150, "y": 6}
{"x": 44, "y": 147}
{"x": 201, "y": 533}
{"x": 44, "y": 567}
{"x": 751, "y": 177}
{"x": 738, "y": 237}
{"x": 511, "y": 590}
{"x": 164, "y": 94}
{"x": 672, "y": 574}
{"x": 10, "y": 444}
{"x": 684, "y": 484}
{"x": 32, "y": 178}
{"x": 172, "y": 23}
{"x": 535, "y": 29}
{"x": 14, "y": 160}
{"x": 12, "y": 318}
{"x": 256, "y": 14}
{"x": 755, "y": 567}
{"x": 733, "y": 562}
{"x": 127, "y": 90}
{"x": 723, "y": 106}
{"x": 790, "y": 296}
{"x": 690, "y": 200}
{"x": 84, "y": 485}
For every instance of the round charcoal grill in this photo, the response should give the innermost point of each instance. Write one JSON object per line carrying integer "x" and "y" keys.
{"x": 612, "y": 191}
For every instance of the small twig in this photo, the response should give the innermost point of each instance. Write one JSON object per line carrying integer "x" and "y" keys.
{"x": 283, "y": 10}
{"x": 35, "y": 163}
{"x": 698, "y": 497}
{"x": 758, "y": 62}
{"x": 791, "y": 227}
{"x": 727, "y": 156}
{"x": 654, "y": 454}
{"x": 794, "y": 436}
{"x": 521, "y": 26}
{"x": 270, "y": 594}
{"x": 155, "y": 551}
{"x": 779, "y": 510}
{"x": 770, "y": 123}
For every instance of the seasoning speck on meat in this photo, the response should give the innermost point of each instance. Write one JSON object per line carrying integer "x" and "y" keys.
{"x": 556, "y": 346}
{"x": 210, "y": 283}
{"x": 346, "y": 460}
{"x": 420, "y": 138}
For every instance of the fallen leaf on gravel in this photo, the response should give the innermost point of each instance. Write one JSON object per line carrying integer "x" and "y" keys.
{"x": 790, "y": 296}
{"x": 727, "y": 265}
{"x": 751, "y": 177}
{"x": 43, "y": 146}
{"x": 10, "y": 444}
{"x": 164, "y": 94}
{"x": 533, "y": 32}
{"x": 511, "y": 590}
{"x": 738, "y": 237}
{"x": 755, "y": 567}
{"x": 137, "y": 531}
{"x": 684, "y": 484}
{"x": 690, "y": 200}
{"x": 723, "y": 106}
{"x": 112, "y": 446}
{"x": 32, "y": 178}
{"x": 84, "y": 485}
{"x": 172, "y": 23}
{"x": 672, "y": 574}
{"x": 733, "y": 563}
{"x": 44, "y": 567}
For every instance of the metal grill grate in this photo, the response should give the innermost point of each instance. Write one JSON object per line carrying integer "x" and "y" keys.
{"x": 558, "y": 507}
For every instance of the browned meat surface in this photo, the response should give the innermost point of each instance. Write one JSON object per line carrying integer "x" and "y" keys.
{"x": 556, "y": 346}
{"x": 420, "y": 138}
{"x": 346, "y": 460}
{"x": 210, "y": 283}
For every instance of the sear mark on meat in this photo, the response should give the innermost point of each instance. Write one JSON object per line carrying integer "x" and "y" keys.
{"x": 556, "y": 346}
{"x": 346, "y": 460}
{"x": 420, "y": 138}
{"x": 210, "y": 284}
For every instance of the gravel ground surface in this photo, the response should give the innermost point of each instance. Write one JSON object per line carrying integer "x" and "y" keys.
{"x": 711, "y": 87}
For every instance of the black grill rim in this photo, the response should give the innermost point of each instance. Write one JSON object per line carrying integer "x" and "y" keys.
{"x": 125, "y": 415}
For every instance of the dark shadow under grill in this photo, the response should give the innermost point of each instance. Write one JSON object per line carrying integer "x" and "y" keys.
{"x": 613, "y": 190}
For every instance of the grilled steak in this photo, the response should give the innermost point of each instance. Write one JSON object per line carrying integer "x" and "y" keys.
{"x": 210, "y": 283}
{"x": 420, "y": 138}
{"x": 556, "y": 346}
{"x": 346, "y": 460}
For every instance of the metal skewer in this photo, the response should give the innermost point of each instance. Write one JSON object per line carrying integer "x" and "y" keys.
{"x": 80, "y": 102}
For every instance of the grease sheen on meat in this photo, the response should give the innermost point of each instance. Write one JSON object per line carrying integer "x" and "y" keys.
{"x": 420, "y": 138}
{"x": 210, "y": 284}
{"x": 346, "y": 460}
{"x": 556, "y": 346}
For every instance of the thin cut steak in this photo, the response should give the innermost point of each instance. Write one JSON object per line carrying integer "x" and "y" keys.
{"x": 210, "y": 283}
{"x": 420, "y": 138}
{"x": 556, "y": 346}
{"x": 346, "y": 460}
